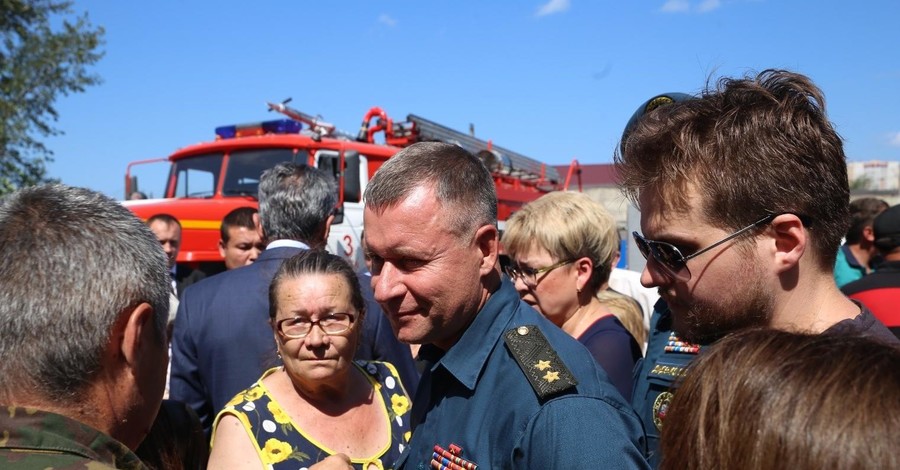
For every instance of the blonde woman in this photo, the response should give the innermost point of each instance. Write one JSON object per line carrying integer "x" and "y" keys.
{"x": 562, "y": 247}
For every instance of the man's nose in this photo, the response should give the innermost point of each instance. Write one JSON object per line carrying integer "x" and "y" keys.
{"x": 653, "y": 276}
{"x": 387, "y": 283}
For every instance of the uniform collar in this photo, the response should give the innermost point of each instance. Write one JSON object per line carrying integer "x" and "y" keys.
{"x": 467, "y": 358}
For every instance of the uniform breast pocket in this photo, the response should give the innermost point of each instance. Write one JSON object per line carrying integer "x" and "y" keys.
{"x": 662, "y": 379}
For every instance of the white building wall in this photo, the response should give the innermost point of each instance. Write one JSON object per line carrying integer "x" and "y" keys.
{"x": 881, "y": 175}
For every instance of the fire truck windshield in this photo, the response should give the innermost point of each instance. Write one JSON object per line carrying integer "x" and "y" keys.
{"x": 198, "y": 176}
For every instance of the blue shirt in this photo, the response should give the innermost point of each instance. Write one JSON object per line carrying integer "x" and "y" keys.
{"x": 475, "y": 396}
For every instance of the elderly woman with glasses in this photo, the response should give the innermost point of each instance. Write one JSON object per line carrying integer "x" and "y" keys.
{"x": 561, "y": 248}
{"x": 320, "y": 403}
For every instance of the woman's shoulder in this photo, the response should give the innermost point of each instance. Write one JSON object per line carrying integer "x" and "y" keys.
{"x": 247, "y": 400}
{"x": 603, "y": 330}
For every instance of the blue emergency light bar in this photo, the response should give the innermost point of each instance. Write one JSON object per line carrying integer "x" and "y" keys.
{"x": 279, "y": 126}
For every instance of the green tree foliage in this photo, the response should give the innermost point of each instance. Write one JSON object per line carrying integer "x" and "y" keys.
{"x": 44, "y": 53}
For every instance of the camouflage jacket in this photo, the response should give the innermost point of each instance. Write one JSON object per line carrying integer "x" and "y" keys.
{"x": 34, "y": 439}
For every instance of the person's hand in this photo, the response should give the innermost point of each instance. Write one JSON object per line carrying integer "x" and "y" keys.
{"x": 334, "y": 462}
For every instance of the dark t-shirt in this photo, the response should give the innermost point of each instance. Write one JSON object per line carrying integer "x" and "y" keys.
{"x": 614, "y": 349}
{"x": 864, "y": 324}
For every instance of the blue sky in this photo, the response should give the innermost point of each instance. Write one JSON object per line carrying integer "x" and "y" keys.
{"x": 554, "y": 80}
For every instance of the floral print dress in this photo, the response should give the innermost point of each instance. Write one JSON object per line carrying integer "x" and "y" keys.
{"x": 282, "y": 445}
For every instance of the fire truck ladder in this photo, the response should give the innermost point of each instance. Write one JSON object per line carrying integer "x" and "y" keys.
{"x": 504, "y": 161}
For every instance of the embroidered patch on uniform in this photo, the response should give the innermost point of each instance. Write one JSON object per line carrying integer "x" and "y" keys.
{"x": 668, "y": 371}
{"x": 675, "y": 344}
{"x": 542, "y": 366}
{"x": 443, "y": 459}
{"x": 660, "y": 408}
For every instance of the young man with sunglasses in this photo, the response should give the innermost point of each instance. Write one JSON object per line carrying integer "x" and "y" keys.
{"x": 744, "y": 198}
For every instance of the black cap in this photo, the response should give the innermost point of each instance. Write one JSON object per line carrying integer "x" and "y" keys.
{"x": 887, "y": 229}
{"x": 661, "y": 99}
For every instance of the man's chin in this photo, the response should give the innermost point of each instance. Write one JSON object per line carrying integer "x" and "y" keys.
{"x": 694, "y": 334}
{"x": 700, "y": 337}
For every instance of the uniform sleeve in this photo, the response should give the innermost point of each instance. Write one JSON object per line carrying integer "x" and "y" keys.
{"x": 578, "y": 432}
{"x": 184, "y": 383}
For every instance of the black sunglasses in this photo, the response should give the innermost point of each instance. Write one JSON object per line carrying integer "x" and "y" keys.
{"x": 670, "y": 259}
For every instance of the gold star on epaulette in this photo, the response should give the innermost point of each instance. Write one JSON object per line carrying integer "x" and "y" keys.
{"x": 546, "y": 372}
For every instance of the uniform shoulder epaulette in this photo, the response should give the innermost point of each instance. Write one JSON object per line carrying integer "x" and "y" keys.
{"x": 542, "y": 366}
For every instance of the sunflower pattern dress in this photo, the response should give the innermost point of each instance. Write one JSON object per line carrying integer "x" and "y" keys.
{"x": 282, "y": 445}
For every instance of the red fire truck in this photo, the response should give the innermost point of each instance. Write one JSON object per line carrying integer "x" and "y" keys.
{"x": 208, "y": 180}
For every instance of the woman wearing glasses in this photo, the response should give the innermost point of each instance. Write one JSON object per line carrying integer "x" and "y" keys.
{"x": 320, "y": 402}
{"x": 562, "y": 247}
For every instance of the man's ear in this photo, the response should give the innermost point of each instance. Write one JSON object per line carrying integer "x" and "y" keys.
{"x": 791, "y": 240}
{"x": 259, "y": 228}
{"x": 222, "y": 248}
{"x": 138, "y": 328}
{"x": 869, "y": 234}
{"x": 327, "y": 230}
{"x": 488, "y": 241}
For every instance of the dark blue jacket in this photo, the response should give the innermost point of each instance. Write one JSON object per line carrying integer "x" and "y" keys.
{"x": 655, "y": 374}
{"x": 476, "y": 397}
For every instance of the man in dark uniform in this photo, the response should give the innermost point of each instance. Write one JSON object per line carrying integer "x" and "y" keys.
{"x": 503, "y": 387}
{"x": 744, "y": 199}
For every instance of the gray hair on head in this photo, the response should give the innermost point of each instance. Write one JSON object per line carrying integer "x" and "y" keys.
{"x": 294, "y": 202}
{"x": 76, "y": 260}
{"x": 460, "y": 181}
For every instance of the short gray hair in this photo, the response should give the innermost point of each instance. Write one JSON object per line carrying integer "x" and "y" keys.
{"x": 295, "y": 201}
{"x": 460, "y": 181}
{"x": 75, "y": 260}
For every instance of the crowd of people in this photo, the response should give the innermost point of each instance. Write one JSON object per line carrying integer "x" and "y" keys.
{"x": 767, "y": 348}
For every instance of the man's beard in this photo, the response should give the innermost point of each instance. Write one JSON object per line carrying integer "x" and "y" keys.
{"x": 747, "y": 306}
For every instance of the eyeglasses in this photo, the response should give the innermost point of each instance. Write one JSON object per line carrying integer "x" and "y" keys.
{"x": 529, "y": 275}
{"x": 669, "y": 257}
{"x": 300, "y": 327}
